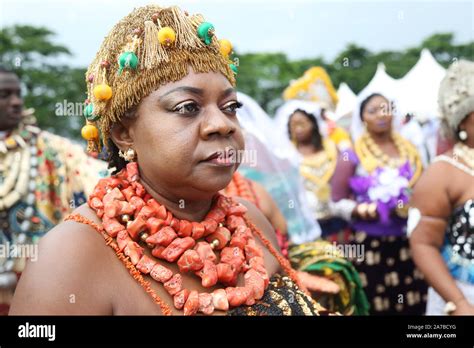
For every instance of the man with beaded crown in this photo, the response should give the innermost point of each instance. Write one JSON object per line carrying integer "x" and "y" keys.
{"x": 42, "y": 178}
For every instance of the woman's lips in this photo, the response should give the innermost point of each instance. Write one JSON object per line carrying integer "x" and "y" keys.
{"x": 224, "y": 158}
{"x": 225, "y": 162}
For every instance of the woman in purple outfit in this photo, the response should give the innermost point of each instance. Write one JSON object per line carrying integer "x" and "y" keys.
{"x": 378, "y": 175}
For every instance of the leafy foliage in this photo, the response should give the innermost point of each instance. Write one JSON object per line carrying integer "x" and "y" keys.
{"x": 32, "y": 53}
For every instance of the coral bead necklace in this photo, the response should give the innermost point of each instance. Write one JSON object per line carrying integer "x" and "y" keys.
{"x": 217, "y": 250}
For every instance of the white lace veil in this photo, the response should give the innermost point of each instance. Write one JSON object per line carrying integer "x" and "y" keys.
{"x": 357, "y": 125}
{"x": 276, "y": 169}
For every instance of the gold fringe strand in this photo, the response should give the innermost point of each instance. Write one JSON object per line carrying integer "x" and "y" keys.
{"x": 154, "y": 69}
{"x": 154, "y": 52}
{"x": 186, "y": 33}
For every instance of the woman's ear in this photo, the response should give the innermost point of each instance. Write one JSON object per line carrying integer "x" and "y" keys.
{"x": 121, "y": 136}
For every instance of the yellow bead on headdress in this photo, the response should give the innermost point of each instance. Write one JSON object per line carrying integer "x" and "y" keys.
{"x": 225, "y": 47}
{"x": 102, "y": 92}
{"x": 148, "y": 48}
{"x": 166, "y": 36}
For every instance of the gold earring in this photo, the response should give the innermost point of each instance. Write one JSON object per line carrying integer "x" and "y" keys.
{"x": 128, "y": 156}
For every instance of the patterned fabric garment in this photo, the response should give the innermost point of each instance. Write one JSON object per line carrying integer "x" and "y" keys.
{"x": 327, "y": 260}
{"x": 62, "y": 177}
{"x": 282, "y": 297}
{"x": 66, "y": 176}
{"x": 458, "y": 249}
{"x": 391, "y": 282}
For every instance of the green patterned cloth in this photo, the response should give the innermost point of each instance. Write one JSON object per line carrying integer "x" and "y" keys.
{"x": 324, "y": 259}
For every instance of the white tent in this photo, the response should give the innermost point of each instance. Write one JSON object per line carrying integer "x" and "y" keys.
{"x": 418, "y": 89}
{"x": 381, "y": 83}
{"x": 347, "y": 101}
{"x": 416, "y": 92}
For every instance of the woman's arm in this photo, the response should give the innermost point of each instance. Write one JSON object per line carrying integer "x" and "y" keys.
{"x": 69, "y": 276}
{"x": 345, "y": 169}
{"x": 342, "y": 205}
{"x": 431, "y": 198}
{"x": 270, "y": 208}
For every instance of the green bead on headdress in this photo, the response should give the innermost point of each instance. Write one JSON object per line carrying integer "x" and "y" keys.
{"x": 127, "y": 60}
{"x": 206, "y": 32}
{"x": 148, "y": 48}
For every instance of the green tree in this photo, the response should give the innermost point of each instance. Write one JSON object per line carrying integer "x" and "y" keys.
{"x": 445, "y": 51}
{"x": 353, "y": 66}
{"x": 264, "y": 76}
{"x": 33, "y": 55}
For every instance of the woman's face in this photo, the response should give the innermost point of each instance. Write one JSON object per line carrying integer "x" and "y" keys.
{"x": 301, "y": 127}
{"x": 182, "y": 134}
{"x": 377, "y": 115}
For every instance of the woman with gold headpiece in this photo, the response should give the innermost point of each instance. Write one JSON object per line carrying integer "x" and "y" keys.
{"x": 161, "y": 91}
{"x": 441, "y": 217}
{"x": 315, "y": 86}
{"x": 303, "y": 125}
{"x": 304, "y": 117}
{"x": 378, "y": 176}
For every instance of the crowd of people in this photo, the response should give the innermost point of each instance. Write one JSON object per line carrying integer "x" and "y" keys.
{"x": 160, "y": 217}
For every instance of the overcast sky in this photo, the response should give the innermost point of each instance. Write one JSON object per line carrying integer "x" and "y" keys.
{"x": 301, "y": 29}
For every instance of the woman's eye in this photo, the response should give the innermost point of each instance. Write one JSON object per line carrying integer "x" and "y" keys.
{"x": 186, "y": 108}
{"x": 232, "y": 107}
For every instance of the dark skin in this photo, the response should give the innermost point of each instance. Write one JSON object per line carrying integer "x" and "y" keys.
{"x": 301, "y": 131}
{"x": 441, "y": 188}
{"x": 73, "y": 258}
{"x": 377, "y": 117}
{"x": 11, "y": 104}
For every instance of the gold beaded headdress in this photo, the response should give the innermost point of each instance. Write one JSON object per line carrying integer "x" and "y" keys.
{"x": 315, "y": 85}
{"x": 148, "y": 48}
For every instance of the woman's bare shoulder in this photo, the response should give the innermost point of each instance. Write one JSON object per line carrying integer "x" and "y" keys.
{"x": 256, "y": 216}
{"x": 73, "y": 236}
{"x": 431, "y": 191}
{"x": 65, "y": 277}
